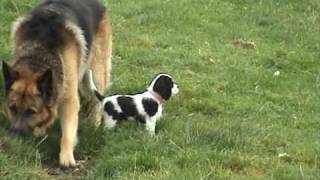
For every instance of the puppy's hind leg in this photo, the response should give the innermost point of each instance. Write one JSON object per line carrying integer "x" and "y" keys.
{"x": 109, "y": 122}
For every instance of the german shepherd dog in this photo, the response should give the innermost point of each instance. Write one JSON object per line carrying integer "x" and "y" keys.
{"x": 54, "y": 45}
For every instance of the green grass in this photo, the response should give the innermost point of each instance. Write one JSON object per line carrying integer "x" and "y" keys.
{"x": 232, "y": 117}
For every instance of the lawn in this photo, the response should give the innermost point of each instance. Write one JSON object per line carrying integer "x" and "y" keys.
{"x": 249, "y": 102}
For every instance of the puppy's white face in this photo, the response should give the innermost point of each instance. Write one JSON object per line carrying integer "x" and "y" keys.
{"x": 175, "y": 89}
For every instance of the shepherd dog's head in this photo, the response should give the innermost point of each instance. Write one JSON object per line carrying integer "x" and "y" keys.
{"x": 28, "y": 100}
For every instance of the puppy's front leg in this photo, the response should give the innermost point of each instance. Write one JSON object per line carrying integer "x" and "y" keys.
{"x": 151, "y": 126}
{"x": 69, "y": 124}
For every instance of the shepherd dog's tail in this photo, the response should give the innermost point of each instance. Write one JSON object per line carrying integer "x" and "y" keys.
{"x": 93, "y": 87}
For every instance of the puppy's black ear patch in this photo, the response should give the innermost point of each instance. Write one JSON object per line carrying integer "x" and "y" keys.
{"x": 163, "y": 86}
{"x": 9, "y": 75}
{"x": 45, "y": 86}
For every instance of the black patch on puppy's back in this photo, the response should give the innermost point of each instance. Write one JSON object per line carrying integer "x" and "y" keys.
{"x": 129, "y": 109}
{"x": 127, "y": 106}
{"x": 150, "y": 106}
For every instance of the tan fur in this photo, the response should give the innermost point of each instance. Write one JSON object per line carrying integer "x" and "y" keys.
{"x": 70, "y": 103}
{"x": 24, "y": 95}
{"x": 25, "y": 86}
{"x": 101, "y": 67}
{"x": 77, "y": 33}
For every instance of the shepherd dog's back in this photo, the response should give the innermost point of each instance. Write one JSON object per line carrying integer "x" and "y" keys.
{"x": 45, "y": 22}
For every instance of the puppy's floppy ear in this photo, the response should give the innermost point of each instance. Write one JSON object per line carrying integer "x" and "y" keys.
{"x": 9, "y": 75}
{"x": 44, "y": 84}
{"x": 163, "y": 86}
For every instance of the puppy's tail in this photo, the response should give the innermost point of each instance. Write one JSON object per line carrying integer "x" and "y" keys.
{"x": 93, "y": 87}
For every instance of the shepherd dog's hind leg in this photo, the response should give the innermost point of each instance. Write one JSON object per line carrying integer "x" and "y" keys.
{"x": 100, "y": 65}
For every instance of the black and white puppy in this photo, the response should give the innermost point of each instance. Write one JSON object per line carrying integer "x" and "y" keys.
{"x": 145, "y": 107}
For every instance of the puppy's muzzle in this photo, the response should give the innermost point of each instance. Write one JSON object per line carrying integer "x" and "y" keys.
{"x": 175, "y": 89}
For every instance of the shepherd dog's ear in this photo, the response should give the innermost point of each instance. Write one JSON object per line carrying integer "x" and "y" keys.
{"x": 9, "y": 75}
{"x": 44, "y": 84}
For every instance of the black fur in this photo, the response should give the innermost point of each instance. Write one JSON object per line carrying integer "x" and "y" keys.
{"x": 45, "y": 28}
{"x": 48, "y": 19}
{"x": 141, "y": 118}
{"x": 99, "y": 96}
{"x": 9, "y": 76}
{"x": 150, "y": 106}
{"x": 109, "y": 108}
{"x": 45, "y": 85}
{"x": 127, "y": 106}
{"x": 163, "y": 86}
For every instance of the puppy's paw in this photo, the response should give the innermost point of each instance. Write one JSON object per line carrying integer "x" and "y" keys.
{"x": 151, "y": 128}
{"x": 66, "y": 160}
{"x": 109, "y": 124}
{"x": 152, "y": 133}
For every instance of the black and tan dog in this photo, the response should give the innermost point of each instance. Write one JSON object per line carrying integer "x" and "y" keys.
{"x": 53, "y": 47}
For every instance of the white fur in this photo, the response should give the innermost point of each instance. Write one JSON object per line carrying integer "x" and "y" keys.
{"x": 92, "y": 85}
{"x": 109, "y": 122}
{"x": 175, "y": 89}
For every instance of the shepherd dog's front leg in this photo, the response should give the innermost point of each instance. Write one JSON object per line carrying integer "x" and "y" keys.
{"x": 70, "y": 105}
{"x": 69, "y": 124}
{"x": 69, "y": 127}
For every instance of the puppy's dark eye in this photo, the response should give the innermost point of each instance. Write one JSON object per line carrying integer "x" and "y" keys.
{"x": 29, "y": 112}
{"x": 13, "y": 109}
